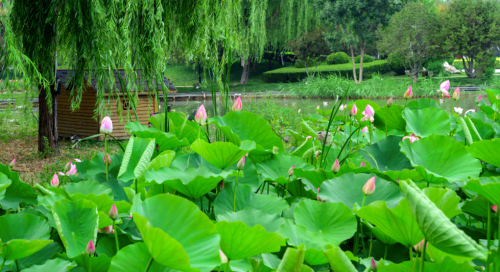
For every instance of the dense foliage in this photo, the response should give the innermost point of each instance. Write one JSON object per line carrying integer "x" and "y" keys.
{"x": 337, "y": 58}
{"x": 366, "y": 59}
{"x": 308, "y": 48}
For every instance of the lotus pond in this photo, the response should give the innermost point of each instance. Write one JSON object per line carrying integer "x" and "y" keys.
{"x": 407, "y": 187}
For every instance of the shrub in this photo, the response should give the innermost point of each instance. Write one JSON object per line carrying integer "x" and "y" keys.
{"x": 436, "y": 66}
{"x": 366, "y": 59}
{"x": 301, "y": 63}
{"x": 396, "y": 64}
{"x": 338, "y": 58}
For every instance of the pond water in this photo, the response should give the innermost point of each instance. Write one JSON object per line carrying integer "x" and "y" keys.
{"x": 308, "y": 106}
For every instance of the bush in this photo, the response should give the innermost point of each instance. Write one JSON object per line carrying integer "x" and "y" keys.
{"x": 290, "y": 74}
{"x": 338, "y": 58}
{"x": 366, "y": 59}
{"x": 301, "y": 64}
{"x": 396, "y": 64}
{"x": 435, "y": 66}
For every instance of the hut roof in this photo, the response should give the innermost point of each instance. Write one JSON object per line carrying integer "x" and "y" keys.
{"x": 64, "y": 77}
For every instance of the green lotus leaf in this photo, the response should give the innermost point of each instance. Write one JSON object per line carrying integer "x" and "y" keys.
{"x": 86, "y": 187}
{"x": 23, "y": 226}
{"x": 394, "y": 120}
{"x": 483, "y": 151}
{"x": 134, "y": 258}
{"x": 107, "y": 244}
{"x": 382, "y": 236}
{"x": 333, "y": 221}
{"x": 136, "y": 158}
{"x": 4, "y": 182}
{"x": 252, "y": 217}
{"x": 338, "y": 260}
{"x": 436, "y": 226}
{"x": 305, "y": 148}
{"x": 347, "y": 189}
{"x": 18, "y": 192}
{"x": 241, "y": 125}
{"x": 426, "y": 122}
{"x": 192, "y": 182}
{"x": 485, "y": 130}
{"x": 440, "y": 158}
{"x": 179, "y": 126}
{"x": 164, "y": 140}
{"x": 446, "y": 265}
{"x": 177, "y": 234}
{"x": 293, "y": 260}
{"x": 483, "y": 117}
{"x": 423, "y": 103}
{"x": 477, "y": 206}
{"x": 405, "y": 174}
{"x": 40, "y": 257}
{"x": 76, "y": 223}
{"x": 100, "y": 263}
{"x": 162, "y": 160}
{"x": 246, "y": 198}
{"x": 489, "y": 187}
{"x": 250, "y": 178}
{"x": 104, "y": 204}
{"x": 54, "y": 265}
{"x": 313, "y": 242}
{"x": 438, "y": 255}
{"x": 222, "y": 154}
{"x": 315, "y": 176}
{"x": 385, "y": 155}
{"x": 239, "y": 241}
{"x": 97, "y": 166}
{"x": 276, "y": 168}
{"x": 21, "y": 248}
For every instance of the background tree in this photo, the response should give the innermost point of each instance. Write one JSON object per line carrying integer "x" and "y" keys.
{"x": 408, "y": 36}
{"x": 470, "y": 28}
{"x": 353, "y": 23}
{"x": 309, "y": 47}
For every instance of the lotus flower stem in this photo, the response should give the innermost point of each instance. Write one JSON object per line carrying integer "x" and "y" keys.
{"x": 106, "y": 154}
{"x": 411, "y": 257}
{"x": 488, "y": 234}
{"x": 371, "y": 244}
{"x": 90, "y": 263}
{"x": 116, "y": 236}
{"x": 149, "y": 264}
{"x": 208, "y": 134}
{"x": 422, "y": 261}
{"x": 361, "y": 229}
{"x": 385, "y": 251}
{"x": 356, "y": 237}
{"x": 386, "y": 112}
{"x": 1, "y": 266}
{"x": 234, "y": 193}
{"x": 227, "y": 265}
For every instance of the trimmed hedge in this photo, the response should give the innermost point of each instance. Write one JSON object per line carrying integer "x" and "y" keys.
{"x": 291, "y": 74}
{"x": 366, "y": 59}
{"x": 337, "y": 58}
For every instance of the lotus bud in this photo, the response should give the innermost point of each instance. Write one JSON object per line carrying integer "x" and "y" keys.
{"x": 298, "y": 111}
{"x": 55, "y": 180}
{"x": 354, "y": 110}
{"x": 67, "y": 166}
{"x": 478, "y": 99}
{"x": 336, "y": 166}
{"x": 107, "y": 159}
{"x": 419, "y": 247}
{"x": 494, "y": 208}
{"x": 365, "y": 129}
{"x": 369, "y": 187}
{"x": 223, "y": 258}
{"x": 106, "y": 125}
{"x": 456, "y": 94}
{"x": 446, "y": 94}
{"x": 77, "y": 160}
{"x": 397, "y": 181}
{"x": 317, "y": 107}
{"x": 373, "y": 265}
{"x": 220, "y": 185}
{"x": 72, "y": 170}
{"x": 408, "y": 93}
{"x": 362, "y": 164}
{"x": 241, "y": 163}
{"x": 290, "y": 171}
{"x": 90, "y": 250}
{"x": 317, "y": 154}
{"x": 12, "y": 164}
{"x": 201, "y": 115}
{"x": 275, "y": 150}
{"x": 131, "y": 213}
{"x": 108, "y": 230}
{"x": 237, "y": 104}
{"x": 113, "y": 212}
{"x": 319, "y": 198}
{"x": 445, "y": 86}
{"x": 389, "y": 102}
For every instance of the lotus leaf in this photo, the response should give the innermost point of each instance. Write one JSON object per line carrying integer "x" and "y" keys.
{"x": 427, "y": 121}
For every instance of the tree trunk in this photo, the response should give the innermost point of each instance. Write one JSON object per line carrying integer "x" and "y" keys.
{"x": 254, "y": 66}
{"x": 353, "y": 65}
{"x": 270, "y": 65}
{"x": 47, "y": 135}
{"x": 246, "y": 72}
{"x": 361, "y": 62}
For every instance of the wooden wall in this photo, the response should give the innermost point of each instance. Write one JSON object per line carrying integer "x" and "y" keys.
{"x": 78, "y": 122}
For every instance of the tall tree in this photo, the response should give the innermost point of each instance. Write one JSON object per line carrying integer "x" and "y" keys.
{"x": 408, "y": 36}
{"x": 470, "y": 28}
{"x": 353, "y": 23}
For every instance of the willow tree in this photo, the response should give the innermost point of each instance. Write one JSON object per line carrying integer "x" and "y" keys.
{"x": 98, "y": 36}
{"x": 267, "y": 25}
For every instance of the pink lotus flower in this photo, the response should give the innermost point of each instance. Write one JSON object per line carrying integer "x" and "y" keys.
{"x": 362, "y": 164}
{"x": 369, "y": 187}
{"x": 201, "y": 115}
{"x": 412, "y": 138}
{"x": 223, "y": 258}
{"x": 106, "y": 125}
{"x": 445, "y": 94}
{"x": 368, "y": 114}
{"x": 343, "y": 107}
{"x": 290, "y": 171}
{"x": 131, "y": 214}
{"x": 471, "y": 110}
{"x": 319, "y": 198}
{"x": 12, "y": 164}
{"x": 61, "y": 174}
{"x": 237, "y": 104}
{"x": 408, "y": 93}
{"x": 113, "y": 212}
{"x": 77, "y": 160}
{"x": 241, "y": 163}
{"x": 494, "y": 208}
{"x": 336, "y": 166}
{"x": 72, "y": 170}
{"x": 90, "y": 250}
{"x": 456, "y": 94}
{"x": 55, "y": 180}
{"x": 107, "y": 159}
{"x": 354, "y": 110}
{"x": 317, "y": 107}
{"x": 420, "y": 246}
{"x": 67, "y": 166}
{"x": 445, "y": 86}
{"x": 308, "y": 137}
{"x": 108, "y": 230}
{"x": 478, "y": 99}
{"x": 389, "y": 102}
{"x": 373, "y": 266}
{"x": 365, "y": 129}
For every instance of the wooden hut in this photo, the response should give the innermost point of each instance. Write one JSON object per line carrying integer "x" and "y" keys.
{"x": 82, "y": 123}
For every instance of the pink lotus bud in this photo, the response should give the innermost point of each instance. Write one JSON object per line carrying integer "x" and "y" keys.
{"x": 368, "y": 113}
{"x": 369, "y": 187}
{"x": 362, "y": 164}
{"x": 131, "y": 213}
{"x": 220, "y": 185}
{"x": 456, "y": 94}
{"x": 55, "y": 180}
{"x": 106, "y": 125}
{"x": 290, "y": 171}
{"x": 109, "y": 229}
{"x": 408, "y": 93}
{"x": 373, "y": 265}
{"x": 61, "y": 174}
{"x": 397, "y": 181}
{"x": 354, "y": 110}
{"x": 237, "y": 104}
{"x": 90, "y": 250}
{"x": 223, "y": 258}
{"x": 494, "y": 208}
{"x": 67, "y": 166}
{"x": 299, "y": 111}
{"x": 412, "y": 138}
{"x": 445, "y": 86}
{"x": 12, "y": 164}
{"x": 78, "y": 160}
{"x": 342, "y": 107}
{"x": 336, "y": 166}
{"x": 241, "y": 163}
{"x": 317, "y": 107}
{"x": 201, "y": 115}
{"x": 365, "y": 129}
{"x": 389, "y": 102}
{"x": 478, "y": 99}
{"x": 319, "y": 198}
{"x": 419, "y": 247}
{"x": 107, "y": 159}
{"x": 72, "y": 170}
{"x": 113, "y": 212}
{"x": 445, "y": 94}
